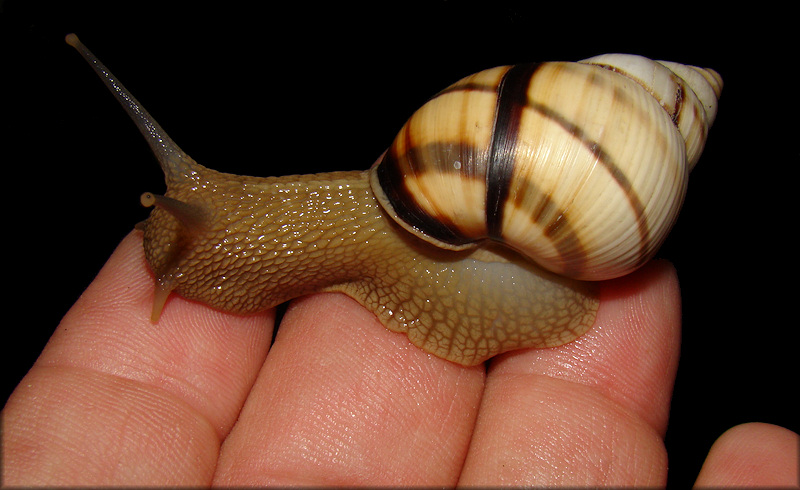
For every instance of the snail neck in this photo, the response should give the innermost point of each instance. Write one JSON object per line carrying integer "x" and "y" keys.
{"x": 244, "y": 244}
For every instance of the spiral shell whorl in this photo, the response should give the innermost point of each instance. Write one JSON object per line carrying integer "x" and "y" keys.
{"x": 580, "y": 166}
{"x": 687, "y": 93}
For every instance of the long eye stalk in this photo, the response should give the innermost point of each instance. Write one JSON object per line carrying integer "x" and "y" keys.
{"x": 174, "y": 162}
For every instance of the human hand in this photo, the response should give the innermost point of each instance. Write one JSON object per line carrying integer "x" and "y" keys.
{"x": 197, "y": 400}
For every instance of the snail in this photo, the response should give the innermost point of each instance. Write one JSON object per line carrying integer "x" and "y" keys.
{"x": 483, "y": 228}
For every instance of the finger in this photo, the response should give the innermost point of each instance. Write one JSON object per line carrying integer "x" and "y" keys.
{"x": 590, "y": 412}
{"x": 116, "y": 399}
{"x": 752, "y": 455}
{"x": 342, "y": 400}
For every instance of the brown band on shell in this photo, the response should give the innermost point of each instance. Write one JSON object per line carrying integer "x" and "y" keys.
{"x": 678, "y": 99}
{"x": 558, "y": 230}
{"x": 613, "y": 169}
{"x": 512, "y": 102}
{"x": 512, "y": 97}
{"x": 405, "y": 205}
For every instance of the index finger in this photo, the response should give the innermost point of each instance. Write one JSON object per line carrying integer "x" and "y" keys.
{"x": 114, "y": 398}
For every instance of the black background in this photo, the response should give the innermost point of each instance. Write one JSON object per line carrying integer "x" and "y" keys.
{"x": 270, "y": 89}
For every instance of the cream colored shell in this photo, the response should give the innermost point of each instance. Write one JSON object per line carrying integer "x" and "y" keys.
{"x": 582, "y": 166}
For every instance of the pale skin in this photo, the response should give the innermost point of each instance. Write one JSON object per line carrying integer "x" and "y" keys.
{"x": 200, "y": 399}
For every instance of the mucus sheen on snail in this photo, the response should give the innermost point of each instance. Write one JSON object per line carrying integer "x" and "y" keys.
{"x": 481, "y": 230}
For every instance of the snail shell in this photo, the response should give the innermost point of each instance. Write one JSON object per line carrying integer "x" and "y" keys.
{"x": 477, "y": 231}
{"x": 580, "y": 166}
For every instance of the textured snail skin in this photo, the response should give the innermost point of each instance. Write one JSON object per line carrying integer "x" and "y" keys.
{"x": 244, "y": 244}
{"x": 296, "y": 235}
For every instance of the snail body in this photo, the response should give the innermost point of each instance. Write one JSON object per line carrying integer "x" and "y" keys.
{"x": 479, "y": 231}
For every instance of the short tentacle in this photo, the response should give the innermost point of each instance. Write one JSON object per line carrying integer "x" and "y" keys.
{"x": 189, "y": 215}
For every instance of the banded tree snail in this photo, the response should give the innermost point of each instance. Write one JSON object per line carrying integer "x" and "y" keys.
{"x": 481, "y": 229}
